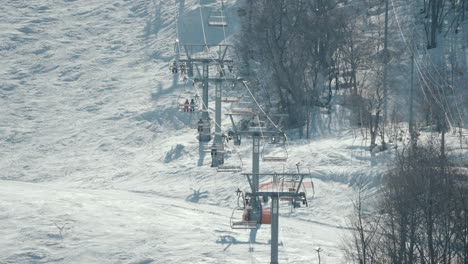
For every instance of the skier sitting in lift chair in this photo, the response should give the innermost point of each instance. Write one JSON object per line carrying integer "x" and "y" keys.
{"x": 186, "y": 106}
{"x": 192, "y": 105}
{"x": 174, "y": 67}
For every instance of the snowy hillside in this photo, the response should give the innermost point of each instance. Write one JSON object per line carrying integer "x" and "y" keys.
{"x": 99, "y": 166}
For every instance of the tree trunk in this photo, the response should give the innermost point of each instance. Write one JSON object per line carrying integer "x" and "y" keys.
{"x": 434, "y": 4}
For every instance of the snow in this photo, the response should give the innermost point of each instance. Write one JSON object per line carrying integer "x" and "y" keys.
{"x": 90, "y": 141}
{"x": 116, "y": 226}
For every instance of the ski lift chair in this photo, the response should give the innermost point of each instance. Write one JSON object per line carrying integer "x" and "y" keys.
{"x": 200, "y": 125}
{"x": 195, "y": 107}
{"x": 275, "y": 158}
{"x": 216, "y": 147}
{"x": 217, "y": 18}
{"x": 235, "y": 137}
{"x": 240, "y": 219}
{"x": 241, "y": 215}
{"x": 246, "y": 110}
{"x": 231, "y": 168}
{"x": 234, "y": 99}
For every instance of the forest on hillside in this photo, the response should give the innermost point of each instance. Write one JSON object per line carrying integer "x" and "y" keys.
{"x": 392, "y": 69}
{"x": 371, "y": 64}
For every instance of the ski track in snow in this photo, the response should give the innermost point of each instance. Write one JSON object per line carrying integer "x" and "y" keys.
{"x": 87, "y": 123}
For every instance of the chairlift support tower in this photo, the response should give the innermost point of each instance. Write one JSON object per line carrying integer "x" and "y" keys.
{"x": 257, "y": 135}
{"x": 205, "y": 56}
{"x": 275, "y": 197}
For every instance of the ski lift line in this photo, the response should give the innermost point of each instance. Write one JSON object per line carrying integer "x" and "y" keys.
{"x": 218, "y": 124}
{"x": 202, "y": 24}
{"x": 261, "y": 109}
{"x": 178, "y": 46}
{"x": 417, "y": 65}
{"x": 259, "y": 125}
{"x": 206, "y": 44}
{"x": 204, "y": 37}
{"x": 206, "y": 107}
{"x": 432, "y": 62}
{"x": 222, "y": 19}
{"x": 438, "y": 72}
{"x": 430, "y": 78}
{"x": 203, "y": 103}
{"x": 245, "y": 84}
{"x": 258, "y": 105}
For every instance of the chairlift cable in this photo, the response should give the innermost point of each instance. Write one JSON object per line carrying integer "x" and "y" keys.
{"x": 442, "y": 78}
{"x": 222, "y": 19}
{"x": 255, "y": 100}
{"x": 418, "y": 67}
{"x": 244, "y": 82}
{"x": 202, "y": 24}
{"x": 438, "y": 72}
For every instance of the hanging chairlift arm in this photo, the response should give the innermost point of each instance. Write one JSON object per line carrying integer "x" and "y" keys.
{"x": 198, "y": 71}
{"x": 224, "y": 53}
{"x": 300, "y": 183}
{"x": 234, "y": 125}
{"x": 250, "y": 182}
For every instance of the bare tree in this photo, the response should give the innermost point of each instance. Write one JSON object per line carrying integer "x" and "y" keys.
{"x": 423, "y": 210}
{"x": 295, "y": 41}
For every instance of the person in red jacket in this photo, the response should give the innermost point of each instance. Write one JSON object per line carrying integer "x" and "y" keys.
{"x": 186, "y": 106}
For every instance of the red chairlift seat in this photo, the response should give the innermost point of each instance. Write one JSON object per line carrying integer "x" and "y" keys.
{"x": 266, "y": 216}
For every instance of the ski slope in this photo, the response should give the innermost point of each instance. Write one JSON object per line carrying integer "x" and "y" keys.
{"x": 98, "y": 166}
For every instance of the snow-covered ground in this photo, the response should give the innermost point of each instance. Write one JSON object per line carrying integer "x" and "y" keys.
{"x": 90, "y": 141}
{"x": 115, "y": 226}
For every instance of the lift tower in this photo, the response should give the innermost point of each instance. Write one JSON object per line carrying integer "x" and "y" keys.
{"x": 275, "y": 196}
{"x": 256, "y": 133}
{"x": 209, "y": 57}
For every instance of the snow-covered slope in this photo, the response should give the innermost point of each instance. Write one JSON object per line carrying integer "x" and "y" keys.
{"x": 90, "y": 140}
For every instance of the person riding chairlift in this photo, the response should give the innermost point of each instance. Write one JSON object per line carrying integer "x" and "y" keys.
{"x": 174, "y": 67}
{"x": 200, "y": 125}
{"x": 230, "y": 135}
{"x": 221, "y": 71}
{"x": 213, "y": 153}
{"x": 183, "y": 69}
{"x": 192, "y": 105}
{"x": 186, "y": 106}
